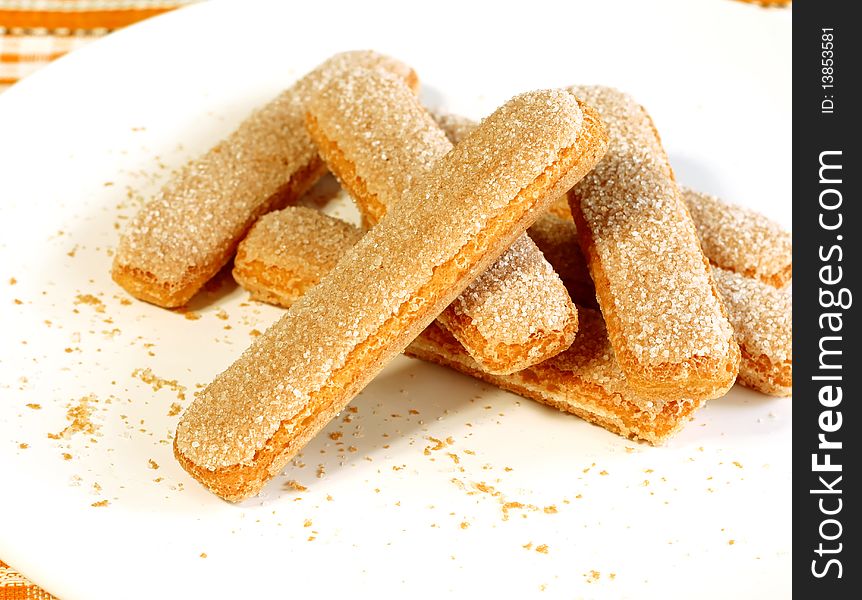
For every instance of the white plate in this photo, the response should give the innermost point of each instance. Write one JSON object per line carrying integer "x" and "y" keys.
{"x": 84, "y": 140}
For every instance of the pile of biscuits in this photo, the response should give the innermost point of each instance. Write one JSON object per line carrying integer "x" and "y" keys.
{"x": 547, "y": 250}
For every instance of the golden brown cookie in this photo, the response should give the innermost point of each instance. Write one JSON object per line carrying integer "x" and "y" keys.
{"x": 191, "y": 228}
{"x": 244, "y": 427}
{"x": 377, "y": 138}
{"x": 665, "y": 319}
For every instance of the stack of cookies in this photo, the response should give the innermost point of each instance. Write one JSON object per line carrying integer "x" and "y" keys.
{"x": 547, "y": 250}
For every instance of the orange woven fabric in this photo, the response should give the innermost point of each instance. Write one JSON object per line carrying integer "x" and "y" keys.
{"x": 14, "y": 587}
{"x": 31, "y": 38}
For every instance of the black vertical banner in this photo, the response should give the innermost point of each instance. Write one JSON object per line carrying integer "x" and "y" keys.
{"x": 827, "y": 368}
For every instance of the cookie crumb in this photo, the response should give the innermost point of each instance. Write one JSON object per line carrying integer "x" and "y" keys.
{"x": 293, "y": 484}
{"x": 91, "y": 300}
{"x": 157, "y": 383}
{"x": 78, "y": 416}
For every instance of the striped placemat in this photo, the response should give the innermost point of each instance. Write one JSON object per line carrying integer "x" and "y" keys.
{"x": 35, "y": 32}
{"x": 15, "y": 587}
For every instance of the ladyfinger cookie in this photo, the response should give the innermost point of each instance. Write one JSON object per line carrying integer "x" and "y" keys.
{"x": 455, "y": 127}
{"x": 245, "y": 426}
{"x": 377, "y": 138}
{"x": 560, "y": 208}
{"x": 191, "y": 228}
{"x": 558, "y": 240}
{"x": 585, "y": 380}
{"x": 741, "y": 240}
{"x": 290, "y": 250}
{"x": 762, "y": 319}
{"x": 665, "y": 320}
{"x": 732, "y": 237}
{"x": 760, "y": 314}
{"x": 553, "y": 233}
